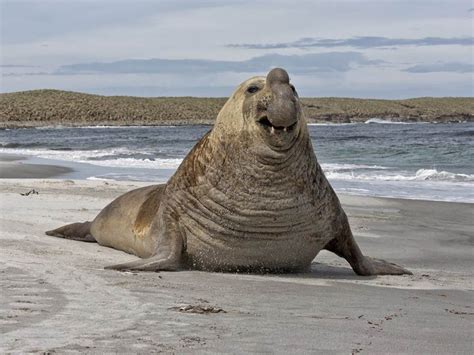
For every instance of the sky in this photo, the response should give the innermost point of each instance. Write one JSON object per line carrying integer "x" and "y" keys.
{"x": 344, "y": 48}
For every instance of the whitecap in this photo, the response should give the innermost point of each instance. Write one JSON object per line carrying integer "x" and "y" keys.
{"x": 99, "y": 157}
{"x": 96, "y": 178}
{"x": 435, "y": 175}
{"x": 157, "y": 163}
{"x": 343, "y": 166}
{"x": 388, "y": 121}
{"x": 420, "y": 175}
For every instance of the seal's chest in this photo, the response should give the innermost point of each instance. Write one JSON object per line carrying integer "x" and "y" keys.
{"x": 271, "y": 235}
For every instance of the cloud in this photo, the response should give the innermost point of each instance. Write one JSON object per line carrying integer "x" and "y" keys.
{"x": 308, "y": 63}
{"x": 360, "y": 42}
{"x": 106, "y": 37}
{"x": 452, "y": 67}
{"x": 24, "y": 74}
{"x": 30, "y": 20}
{"x": 16, "y": 66}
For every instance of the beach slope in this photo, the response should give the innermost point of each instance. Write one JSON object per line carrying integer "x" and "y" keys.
{"x": 57, "y": 297}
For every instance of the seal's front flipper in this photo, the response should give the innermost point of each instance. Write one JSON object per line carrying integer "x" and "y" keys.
{"x": 345, "y": 246}
{"x": 150, "y": 264}
{"x": 74, "y": 231}
{"x": 382, "y": 267}
{"x": 168, "y": 256}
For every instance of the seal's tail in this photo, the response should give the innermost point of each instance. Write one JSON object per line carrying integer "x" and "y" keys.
{"x": 74, "y": 231}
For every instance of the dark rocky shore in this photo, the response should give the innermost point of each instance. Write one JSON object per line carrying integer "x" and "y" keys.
{"x": 55, "y": 107}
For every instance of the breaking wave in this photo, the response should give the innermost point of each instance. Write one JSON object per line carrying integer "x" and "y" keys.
{"x": 114, "y": 157}
{"x": 127, "y": 158}
{"x": 420, "y": 175}
{"x": 387, "y": 121}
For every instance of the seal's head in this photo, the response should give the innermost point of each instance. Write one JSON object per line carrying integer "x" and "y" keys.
{"x": 264, "y": 109}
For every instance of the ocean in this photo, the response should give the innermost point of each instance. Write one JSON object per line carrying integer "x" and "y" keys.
{"x": 376, "y": 158}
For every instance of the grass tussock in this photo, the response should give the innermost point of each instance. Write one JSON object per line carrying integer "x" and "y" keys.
{"x": 55, "y": 107}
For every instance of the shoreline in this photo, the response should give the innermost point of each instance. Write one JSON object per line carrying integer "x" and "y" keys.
{"x": 15, "y": 166}
{"x": 102, "y": 124}
{"x": 57, "y": 297}
{"x": 112, "y": 124}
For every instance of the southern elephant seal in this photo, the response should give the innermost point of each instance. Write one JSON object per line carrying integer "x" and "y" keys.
{"x": 249, "y": 196}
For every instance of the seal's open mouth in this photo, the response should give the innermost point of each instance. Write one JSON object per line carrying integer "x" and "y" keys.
{"x": 265, "y": 122}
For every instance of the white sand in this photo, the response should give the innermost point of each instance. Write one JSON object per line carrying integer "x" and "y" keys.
{"x": 56, "y": 296}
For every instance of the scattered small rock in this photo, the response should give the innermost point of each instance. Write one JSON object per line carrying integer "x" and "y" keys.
{"x": 31, "y": 192}
{"x": 193, "y": 339}
{"x": 458, "y": 312}
{"x": 199, "y": 309}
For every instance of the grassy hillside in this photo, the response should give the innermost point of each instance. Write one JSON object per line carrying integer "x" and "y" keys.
{"x": 54, "y": 107}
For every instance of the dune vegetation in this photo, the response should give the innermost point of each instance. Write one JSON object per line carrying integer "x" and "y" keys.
{"x": 55, "y": 107}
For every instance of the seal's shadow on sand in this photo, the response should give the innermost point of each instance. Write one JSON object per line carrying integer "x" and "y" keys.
{"x": 323, "y": 271}
{"x": 317, "y": 271}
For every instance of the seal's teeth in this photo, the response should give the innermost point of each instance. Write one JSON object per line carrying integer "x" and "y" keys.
{"x": 272, "y": 130}
{"x": 284, "y": 129}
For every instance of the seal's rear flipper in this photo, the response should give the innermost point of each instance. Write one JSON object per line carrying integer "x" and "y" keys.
{"x": 74, "y": 231}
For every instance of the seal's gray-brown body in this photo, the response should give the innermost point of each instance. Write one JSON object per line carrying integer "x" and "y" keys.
{"x": 249, "y": 196}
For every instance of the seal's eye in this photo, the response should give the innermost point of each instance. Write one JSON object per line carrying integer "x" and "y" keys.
{"x": 294, "y": 90}
{"x": 252, "y": 89}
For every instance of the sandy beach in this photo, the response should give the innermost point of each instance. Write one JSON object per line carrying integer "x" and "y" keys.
{"x": 13, "y": 166}
{"x": 57, "y": 298}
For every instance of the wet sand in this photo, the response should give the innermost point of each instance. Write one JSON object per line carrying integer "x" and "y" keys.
{"x": 56, "y": 296}
{"x": 13, "y": 166}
